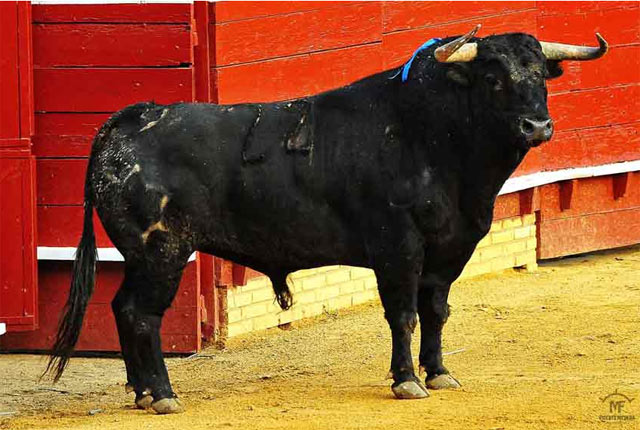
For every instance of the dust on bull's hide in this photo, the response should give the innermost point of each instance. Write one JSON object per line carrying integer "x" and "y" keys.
{"x": 153, "y": 123}
{"x": 153, "y": 227}
{"x": 136, "y": 169}
{"x": 163, "y": 202}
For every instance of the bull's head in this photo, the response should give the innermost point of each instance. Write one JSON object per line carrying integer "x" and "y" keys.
{"x": 507, "y": 75}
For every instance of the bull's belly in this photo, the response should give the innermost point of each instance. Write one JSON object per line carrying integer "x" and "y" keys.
{"x": 278, "y": 238}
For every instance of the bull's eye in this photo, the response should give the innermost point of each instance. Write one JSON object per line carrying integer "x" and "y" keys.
{"x": 493, "y": 81}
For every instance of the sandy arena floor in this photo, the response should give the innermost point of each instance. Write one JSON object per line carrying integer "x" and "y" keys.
{"x": 535, "y": 351}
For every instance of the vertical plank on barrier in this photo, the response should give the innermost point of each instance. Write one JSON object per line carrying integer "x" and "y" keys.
{"x": 9, "y": 76}
{"x": 200, "y": 40}
{"x": 18, "y": 276}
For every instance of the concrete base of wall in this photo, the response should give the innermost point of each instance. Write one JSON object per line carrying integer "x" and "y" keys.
{"x": 510, "y": 243}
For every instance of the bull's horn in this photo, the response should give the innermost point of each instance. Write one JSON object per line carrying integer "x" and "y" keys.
{"x": 459, "y": 49}
{"x": 560, "y": 51}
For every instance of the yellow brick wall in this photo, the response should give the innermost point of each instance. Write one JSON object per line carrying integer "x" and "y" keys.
{"x": 252, "y": 307}
{"x": 510, "y": 243}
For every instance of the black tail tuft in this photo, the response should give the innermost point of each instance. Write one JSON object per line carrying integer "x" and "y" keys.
{"x": 283, "y": 294}
{"x": 82, "y": 284}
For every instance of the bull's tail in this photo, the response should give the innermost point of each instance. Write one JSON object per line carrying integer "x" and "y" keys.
{"x": 282, "y": 291}
{"x": 82, "y": 283}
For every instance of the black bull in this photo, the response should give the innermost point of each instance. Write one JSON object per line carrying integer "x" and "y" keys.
{"x": 400, "y": 177}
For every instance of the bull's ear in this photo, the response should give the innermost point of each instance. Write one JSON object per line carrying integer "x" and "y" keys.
{"x": 459, "y": 74}
{"x": 554, "y": 69}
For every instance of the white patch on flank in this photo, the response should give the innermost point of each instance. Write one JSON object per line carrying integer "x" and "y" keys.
{"x": 152, "y": 123}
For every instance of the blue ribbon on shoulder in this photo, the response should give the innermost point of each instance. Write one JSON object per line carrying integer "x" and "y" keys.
{"x": 407, "y": 66}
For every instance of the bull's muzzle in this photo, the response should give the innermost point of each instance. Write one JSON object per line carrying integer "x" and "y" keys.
{"x": 536, "y": 131}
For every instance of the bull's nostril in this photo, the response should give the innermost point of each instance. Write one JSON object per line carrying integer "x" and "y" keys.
{"x": 527, "y": 126}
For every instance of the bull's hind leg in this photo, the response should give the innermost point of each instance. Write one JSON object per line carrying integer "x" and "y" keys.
{"x": 146, "y": 293}
{"x": 123, "y": 306}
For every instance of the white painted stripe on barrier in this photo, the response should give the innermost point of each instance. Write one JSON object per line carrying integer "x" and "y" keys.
{"x": 524, "y": 182}
{"x": 3, "y": 328}
{"x": 67, "y": 253}
{"x": 511, "y": 186}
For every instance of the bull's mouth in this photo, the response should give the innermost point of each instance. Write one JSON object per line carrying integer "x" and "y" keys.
{"x": 535, "y": 143}
{"x": 530, "y": 143}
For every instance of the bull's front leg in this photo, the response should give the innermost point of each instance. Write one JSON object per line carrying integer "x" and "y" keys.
{"x": 435, "y": 282}
{"x": 398, "y": 287}
{"x": 434, "y": 312}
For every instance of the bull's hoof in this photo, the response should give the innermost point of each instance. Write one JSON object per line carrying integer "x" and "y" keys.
{"x": 443, "y": 381}
{"x": 167, "y": 406}
{"x": 144, "y": 401}
{"x": 410, "y": 390}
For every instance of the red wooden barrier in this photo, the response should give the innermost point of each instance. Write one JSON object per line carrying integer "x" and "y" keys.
{"x": 111, "y": 44}
{"x": 18, "y": 281}
{"x": 338, "y": 27}
{"x": 180, "y": 329}
{"x": 122, "y": 13}
{"x": 91, "y": 60}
